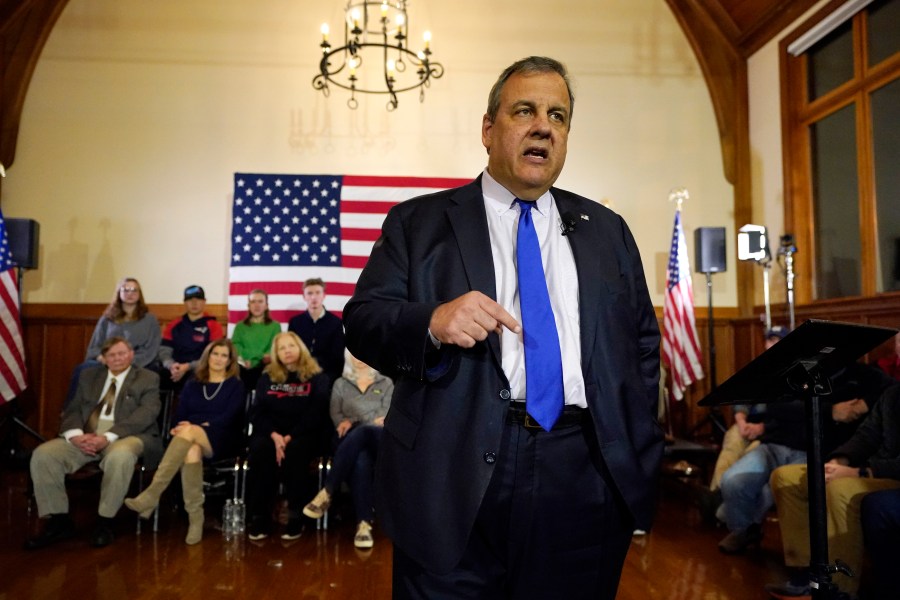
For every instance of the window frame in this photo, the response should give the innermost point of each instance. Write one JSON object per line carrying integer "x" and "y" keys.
{"x": 797, "y": 115}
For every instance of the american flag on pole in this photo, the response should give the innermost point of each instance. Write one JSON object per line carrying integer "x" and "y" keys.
{"x": 680, "y": 345}
{"x": 12, "y": 353}
{"x": 289, "y": 228}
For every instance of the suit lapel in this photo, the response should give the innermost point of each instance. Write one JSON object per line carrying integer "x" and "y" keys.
{"x": 585, "y": 248}
{"x": 469, "y": 223}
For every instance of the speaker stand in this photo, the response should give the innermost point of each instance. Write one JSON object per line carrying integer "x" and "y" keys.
{"x": 12, "y": 449}
{"x": 714, "y": 416}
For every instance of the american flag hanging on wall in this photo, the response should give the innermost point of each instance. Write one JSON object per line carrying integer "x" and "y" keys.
{"x": 12, "y": 354}
{"x": 289, "y": 228}
{"x": 680, "y": 345}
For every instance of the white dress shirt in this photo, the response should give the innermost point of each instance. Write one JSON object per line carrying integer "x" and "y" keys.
{"x": 120, "y": 381}
{"x": 562, "y": 284}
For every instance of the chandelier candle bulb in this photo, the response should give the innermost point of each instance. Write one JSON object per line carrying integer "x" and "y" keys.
{"x": 384, "y": 9}
{"x": 324, "y": 30}
{"x": 427, "y": 37}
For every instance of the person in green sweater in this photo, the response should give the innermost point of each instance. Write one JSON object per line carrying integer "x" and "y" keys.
{"x": 253, "y": 337}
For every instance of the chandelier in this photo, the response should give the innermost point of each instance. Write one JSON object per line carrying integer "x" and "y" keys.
{"x": 376, "y": 34}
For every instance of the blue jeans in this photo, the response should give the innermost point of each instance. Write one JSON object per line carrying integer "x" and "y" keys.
{"x": 354, "y": 462}
{"x": 746, "y": 496}
{"x": 881, "y": 532}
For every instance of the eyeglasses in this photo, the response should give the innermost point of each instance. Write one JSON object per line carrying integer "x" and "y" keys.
{"x": 130, "y": 290}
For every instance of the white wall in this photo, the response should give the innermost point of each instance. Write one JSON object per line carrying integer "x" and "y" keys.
{"x": 140, "y": 112}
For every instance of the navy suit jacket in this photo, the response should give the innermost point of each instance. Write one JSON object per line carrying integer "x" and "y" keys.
{"x": 443, "y": 431}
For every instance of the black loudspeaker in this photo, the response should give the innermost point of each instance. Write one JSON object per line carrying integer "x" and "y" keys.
{"x": 709, "y": 249}
{"x": 24, "y": 235}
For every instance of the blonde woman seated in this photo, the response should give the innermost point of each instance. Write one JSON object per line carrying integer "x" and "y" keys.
{"x": 360, "y": 400}
{"x": 290, "y": 426}
{"x": 210, "y": 419}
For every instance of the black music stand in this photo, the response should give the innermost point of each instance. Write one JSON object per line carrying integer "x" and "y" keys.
{"x": 799, "y": 366}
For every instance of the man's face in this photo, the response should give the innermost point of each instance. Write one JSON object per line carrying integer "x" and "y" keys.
{"x": 195, "y": 307}
{"x": 118, "y": 358}
{"x": 527, "y": 140}
{"x": 314, "y": 295}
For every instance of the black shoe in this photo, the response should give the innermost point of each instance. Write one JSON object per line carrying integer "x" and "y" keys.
{"x": 259, "y": 529}
{"x": 58, "y": 528}
{"x": 737, "y": 542}
{"x": 293, "y": 529}
{"x": 103, "y": 534}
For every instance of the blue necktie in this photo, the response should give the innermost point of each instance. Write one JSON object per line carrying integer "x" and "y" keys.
{"x": 543, "y": 360}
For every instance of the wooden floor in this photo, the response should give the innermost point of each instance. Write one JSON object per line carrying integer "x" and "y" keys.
{"x": 677, "y": 561}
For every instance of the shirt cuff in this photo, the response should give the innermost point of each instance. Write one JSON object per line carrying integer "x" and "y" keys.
{"x": 434, "y": 341}
{"x": 69, "y": 434}
{"x": 112, "y": 437}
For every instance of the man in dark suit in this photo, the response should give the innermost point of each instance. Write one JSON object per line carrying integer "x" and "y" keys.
{"x": 483, "y": 494}
{"x": 111, "y": 419}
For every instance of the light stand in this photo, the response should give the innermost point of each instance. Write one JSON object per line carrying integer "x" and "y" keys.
{"x": 787, "y": 250}
{"x": 753, "y": 245}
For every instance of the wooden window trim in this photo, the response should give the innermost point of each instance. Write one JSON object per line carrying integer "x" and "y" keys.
{"x": 797, "y": 114}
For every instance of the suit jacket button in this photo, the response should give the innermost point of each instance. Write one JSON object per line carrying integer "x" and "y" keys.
{"x": 504, "y": 394}
{"x": 490, "y": 458}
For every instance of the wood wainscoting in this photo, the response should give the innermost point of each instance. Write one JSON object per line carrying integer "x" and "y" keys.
{"x": 56, "y": 336}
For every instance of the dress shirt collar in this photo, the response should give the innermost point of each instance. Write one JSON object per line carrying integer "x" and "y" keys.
{"x": 120, "y": 379}
{"x": 500, "y": 200}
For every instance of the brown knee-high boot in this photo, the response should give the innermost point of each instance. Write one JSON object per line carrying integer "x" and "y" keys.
{"x": 146, "y": 502}
{"x": 192, "y": 488}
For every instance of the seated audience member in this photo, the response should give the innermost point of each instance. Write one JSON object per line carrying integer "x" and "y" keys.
{"x": 185, "y": 338}
{"x": 320, "y": 330}
{"x": 209, "y": 421}
{"x": 743, "y": 435}
{"x": 290, "y": 421}
{"x": 868, "y": 462}
{"x": 253, "y": 337}
{"x": 891, "y": 364}
{"x": 746, "y": 497}
{"x": 360, "y": 400}
{"x": 880, "y": 515}
{"x": 855, "y": 389}
{"x": 111, "y": 420}
{"x": 128, "y": 317}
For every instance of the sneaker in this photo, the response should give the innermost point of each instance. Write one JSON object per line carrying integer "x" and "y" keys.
{"x": 258, "y": 530}
{"x": 363, "y": 538}
{"x": 293, "y": 529}
{"x": 316, "y": 509}
{"x": 736, "y": 542}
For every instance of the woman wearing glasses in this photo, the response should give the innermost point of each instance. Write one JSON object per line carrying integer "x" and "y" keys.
{"x": 127, "y": 316}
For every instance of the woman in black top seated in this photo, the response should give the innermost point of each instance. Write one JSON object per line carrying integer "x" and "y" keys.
{"x": 209, "y": 418}
{"x": 290, "y": 425}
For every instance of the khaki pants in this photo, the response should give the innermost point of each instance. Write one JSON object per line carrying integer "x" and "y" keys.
{"x": 843, "y": 498}
{"x": 734, "y": 446}
{"x": 53, "y": 459}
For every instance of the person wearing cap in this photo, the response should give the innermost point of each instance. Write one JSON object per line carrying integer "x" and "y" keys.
{"x": 185, "y": 338}
{"x": 742, "y": 437}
